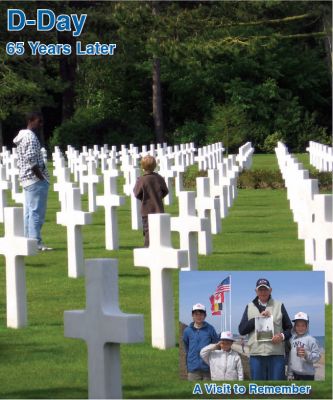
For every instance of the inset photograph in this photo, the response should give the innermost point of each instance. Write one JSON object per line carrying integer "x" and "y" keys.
{"x": 252, "y": 325}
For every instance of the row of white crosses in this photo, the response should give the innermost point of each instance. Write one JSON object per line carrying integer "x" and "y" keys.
{"x": 198, "y": 217}
{"x": 104, "y": 350}
{"x": 313, "y": 214}
{"x": 102, "y": 308}
{"x": 244, "y": 156}
{"x": 209, "y": 156}
{"x": 71, "y": 202}
{"x": 321, "y": 156}
{"x": 10, "y": 174}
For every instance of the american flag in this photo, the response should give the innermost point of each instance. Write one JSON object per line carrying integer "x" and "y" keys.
{"x": 224, "y": 286}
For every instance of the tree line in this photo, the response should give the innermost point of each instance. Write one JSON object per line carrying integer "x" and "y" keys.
{"x": 182, "y": 71}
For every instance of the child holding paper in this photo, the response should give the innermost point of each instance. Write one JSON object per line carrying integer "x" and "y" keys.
{"x": 304, "y": 350}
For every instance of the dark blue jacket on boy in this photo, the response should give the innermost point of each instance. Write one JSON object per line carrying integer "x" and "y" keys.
{"x": 194, "y": 340}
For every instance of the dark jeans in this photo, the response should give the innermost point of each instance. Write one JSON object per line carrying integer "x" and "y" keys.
{"x": 267, "y": 368}
{"x": 145, "y": 228}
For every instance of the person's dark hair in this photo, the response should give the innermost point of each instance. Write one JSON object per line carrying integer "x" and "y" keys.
{"x": 201, "y": 311}
{"x": 32, "y": 116}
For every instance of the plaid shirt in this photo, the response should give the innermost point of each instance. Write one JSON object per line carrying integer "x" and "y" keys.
{"x": 29, "y": 155}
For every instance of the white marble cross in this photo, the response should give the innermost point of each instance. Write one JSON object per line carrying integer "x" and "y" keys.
{"x": 321, "y": 233}
{"x": 188, "y": 224}
{"x": 136, "y": 219}
{"x": 73, "y": 218}
{"x": 165, "y": 170}
{"x": 110, "y": 201}
{"x": 210, "y": 208}
{"x": 219, "y": 191}
{"x": 80, "y": 168}
{"x": 161, "y": 259}
{"x": 63, "y": 178}
{"x": 17, "y": 196}
{"x": 103, "y": 156}
{"x": 4, "y": 186}
{"x": 92, "y": 179}
{"x": 226, "y": 181}
{"x": 14, "y": 246}
{"x": 103, "y": 326}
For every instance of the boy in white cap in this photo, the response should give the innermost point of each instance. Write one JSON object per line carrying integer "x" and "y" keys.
{"x": 225, "y": 363}
{"x": 196, "y": 336}
{"x": 304, "y": 350}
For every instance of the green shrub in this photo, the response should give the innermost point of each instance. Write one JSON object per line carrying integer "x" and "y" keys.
{"x": 324, "y": 180}
{"x": 230, "y": 125}
{"x": 260, "y": 179}
{"x": 190, "y": 175}
{"x": 271, "y": 141}
{"x": 191, "y": 131}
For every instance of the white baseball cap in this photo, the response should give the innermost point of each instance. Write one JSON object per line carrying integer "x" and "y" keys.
{"x": 227, "y": 335}
{"x": 301, "y": 315}
{"x": 199, "y": 307}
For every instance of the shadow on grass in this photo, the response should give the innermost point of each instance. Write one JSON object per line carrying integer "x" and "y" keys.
{"x": 38, "y": 265}
{"x": 256, "y": 253}
{"x": 130, "y": 247}
{"x": 51, "y": 393}
{"x": 258, "y": 231}
{"x": 136, "y": 276}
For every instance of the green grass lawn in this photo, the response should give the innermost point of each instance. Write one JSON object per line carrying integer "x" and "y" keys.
{"x": 269, "y": 161}
{"x": 38, "y": 362}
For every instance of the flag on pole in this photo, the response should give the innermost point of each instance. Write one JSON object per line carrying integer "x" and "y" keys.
{"x": 216, "y": 301}
{"x": 224, "y": 286}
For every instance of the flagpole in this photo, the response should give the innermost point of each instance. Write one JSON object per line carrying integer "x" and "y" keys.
{"x": 230, "y": 302}
{"x": 222, "y": 313}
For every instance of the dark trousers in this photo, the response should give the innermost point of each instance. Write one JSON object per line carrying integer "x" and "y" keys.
{"x": 298, "y": 377}
{"x": 145, "y": 228}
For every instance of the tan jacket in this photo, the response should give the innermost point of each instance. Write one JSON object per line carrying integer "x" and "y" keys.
{"x": 266, "y": 348}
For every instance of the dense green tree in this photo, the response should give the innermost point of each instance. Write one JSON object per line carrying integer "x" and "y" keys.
{"x": 198, "y": 71}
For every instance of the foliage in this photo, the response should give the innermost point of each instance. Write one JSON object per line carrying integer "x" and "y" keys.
{"x": 191, "y": 131}
{"x": 324, "y": 180}
{"x": 260, "y": 179}
{"x": 230, "y": 125}
{"x": 190, "y": 176}
{"x": 229, "y": 70}
{"x": 271, "y": 142}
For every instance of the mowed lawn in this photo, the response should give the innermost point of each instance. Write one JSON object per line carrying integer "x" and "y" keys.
{"x": 38, "y": 362}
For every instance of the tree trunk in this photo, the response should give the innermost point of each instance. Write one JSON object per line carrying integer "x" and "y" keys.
{"x": 157, "y": 91}
{"x": 327, "y": 25}
{"x": 67, "y": 66}
{"x": 1, "y": 137}
{"x": 157, "y": 101}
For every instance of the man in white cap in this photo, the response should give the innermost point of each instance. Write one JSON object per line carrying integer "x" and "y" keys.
{"x": 225, "y": 363}
{"x": 304, "y": 350}
{"x": 267, "y": 358}
{"x": 196, "y": 336}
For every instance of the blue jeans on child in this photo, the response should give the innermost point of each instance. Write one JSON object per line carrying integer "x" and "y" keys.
{"x": 267, "y": 368}
{"x": 35, "y": 209}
